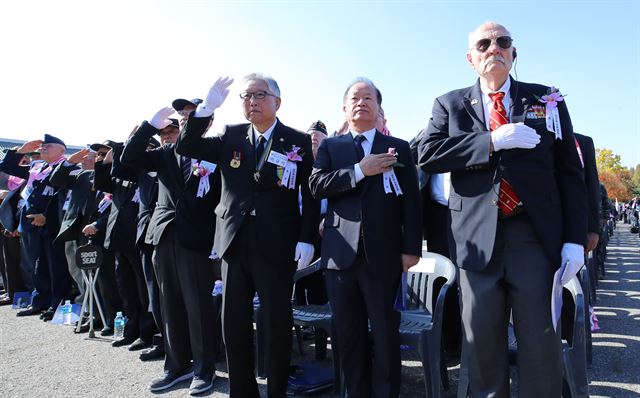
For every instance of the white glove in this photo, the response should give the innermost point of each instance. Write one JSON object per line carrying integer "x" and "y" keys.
{"x": 572, "y": 260}
{"x": 514, "y": 135}
{"x": 161, "y": 119}
{"x": 304, "y": 254}
{"x": 217, "y": 94}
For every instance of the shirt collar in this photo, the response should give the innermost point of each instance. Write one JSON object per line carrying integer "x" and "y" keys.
{"x": 369, "y": 134}
{"x": 266, "y": 134}
{"x": 505, "y": 88}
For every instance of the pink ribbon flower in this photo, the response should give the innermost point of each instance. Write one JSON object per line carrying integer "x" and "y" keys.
{"x": 293, "y": 155}
{"x": 200, "y": 171}
{"x": 551, "y": 100}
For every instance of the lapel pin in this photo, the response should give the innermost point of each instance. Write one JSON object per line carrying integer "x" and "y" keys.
{"x": 281, "y": 139}
{"x": 474, "y": 101}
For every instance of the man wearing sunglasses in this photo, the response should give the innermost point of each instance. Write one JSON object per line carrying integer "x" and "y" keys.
{"x": 517, "y": 212}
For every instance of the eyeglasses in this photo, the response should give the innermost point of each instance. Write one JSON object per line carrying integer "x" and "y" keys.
{"x": 503, "y": 41}
{"x": 259, "y": 95}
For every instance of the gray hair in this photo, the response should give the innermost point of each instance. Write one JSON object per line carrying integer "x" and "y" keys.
{"x": 366, "y": 81}
{"x": 271, "y": 83}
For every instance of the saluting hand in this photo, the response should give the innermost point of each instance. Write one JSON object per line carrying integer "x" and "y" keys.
{"x": 78, "y": 156}
{"x": 29, "y": 146}
{"x": 216, "y": 96}
{"x": 161, "y": 119}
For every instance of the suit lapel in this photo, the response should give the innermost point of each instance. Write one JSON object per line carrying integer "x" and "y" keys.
{"x": 519, "y": 102}
{"x": 473, "y": 103}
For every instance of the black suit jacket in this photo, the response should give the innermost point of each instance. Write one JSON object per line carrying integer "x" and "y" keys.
{"x": 83, "y": 205}
{"x": 278, "y": 213}
{"x": 148, "y": 188}
{"x": 9, "y": 212}
{"x": 547, "y": 178}
{"x": 177, "y": 201}
{"x": 588, "y": 151}
{"x": 389, "y": 225}
{"x": 119, "y": 180}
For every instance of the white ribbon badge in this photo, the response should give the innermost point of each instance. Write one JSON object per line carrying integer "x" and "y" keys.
{"x": 289, "y": 175}
{"x": 390, "y": 180}
{"x": 553, "y": 121}
{"x": 204, "y": 169}
{"x": 136, "y": 196}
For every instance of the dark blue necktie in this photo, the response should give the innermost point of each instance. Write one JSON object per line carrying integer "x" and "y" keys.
{"x": 359, "y": 149}
{"x": 185, "y": 164}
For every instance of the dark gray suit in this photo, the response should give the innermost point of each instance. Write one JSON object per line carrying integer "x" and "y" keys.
{"x": 507, "y": 264}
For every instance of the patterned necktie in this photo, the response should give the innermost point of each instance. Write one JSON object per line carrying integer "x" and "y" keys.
{"x": 508, "y": 200}
{"x": 185, "y": 164}
{"x": 259, "y": 148}
{"x": 359, "y": 149}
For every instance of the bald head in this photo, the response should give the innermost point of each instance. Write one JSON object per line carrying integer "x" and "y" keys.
{"x": 487, "y": 26}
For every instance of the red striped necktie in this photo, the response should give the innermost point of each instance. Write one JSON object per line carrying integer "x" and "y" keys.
{"x": 508, "y": 200}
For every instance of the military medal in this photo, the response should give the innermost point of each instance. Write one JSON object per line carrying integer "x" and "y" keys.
{"x": 256, "y": 176}
{"x": 235, "y": 162}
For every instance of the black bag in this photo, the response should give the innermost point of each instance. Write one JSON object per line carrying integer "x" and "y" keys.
{"x": 634, "y": 229}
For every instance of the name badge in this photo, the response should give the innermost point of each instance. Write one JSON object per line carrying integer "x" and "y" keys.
{"x": 277, "y": 158}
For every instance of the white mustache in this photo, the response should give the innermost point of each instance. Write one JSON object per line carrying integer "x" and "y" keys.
{"x": 495, "y": 58}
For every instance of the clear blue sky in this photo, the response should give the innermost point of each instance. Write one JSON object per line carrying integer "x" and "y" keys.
{"x": 87, "y": 70}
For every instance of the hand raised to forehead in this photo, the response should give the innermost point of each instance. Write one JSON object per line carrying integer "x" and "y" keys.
{"x": 161, "y": 119}
{"x": 217, "y": 94}
{"x": 78, "y": 156}
{"x": 30, "y": 146}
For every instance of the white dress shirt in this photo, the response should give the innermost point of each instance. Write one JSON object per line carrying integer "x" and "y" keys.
{"x": 367, "y": 144}
{"x": 487, "y": 102}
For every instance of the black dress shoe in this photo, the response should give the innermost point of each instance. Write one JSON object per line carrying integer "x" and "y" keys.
{"x": 123, "y": 342}
{"x": 156, "y": 352}
{"x": 140, "y": 344}
{"x": 48, "y": 314}
{"x": 5, "y": 300}
{"x": 31, "y": 310}
{"x": 107, "y": 331}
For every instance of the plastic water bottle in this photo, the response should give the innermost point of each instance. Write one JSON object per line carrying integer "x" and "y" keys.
{"x": 118, "y": 326}
{"x": 66, "y": 312}
{"x": 217, "y": 288}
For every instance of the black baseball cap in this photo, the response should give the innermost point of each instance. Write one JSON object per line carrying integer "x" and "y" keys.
{"x": 180, "y": 103}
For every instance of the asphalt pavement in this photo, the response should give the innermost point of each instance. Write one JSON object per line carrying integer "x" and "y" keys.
{"x": 38, "y": 359}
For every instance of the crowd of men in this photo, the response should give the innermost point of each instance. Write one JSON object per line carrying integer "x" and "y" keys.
{"x": 502, "y": 186}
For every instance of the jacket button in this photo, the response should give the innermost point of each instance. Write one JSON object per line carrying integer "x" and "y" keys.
{"x": 242, "y": 213}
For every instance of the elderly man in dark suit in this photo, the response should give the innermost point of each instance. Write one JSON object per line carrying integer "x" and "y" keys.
{"x": 181, "y": 229}
{"x": 261, "y": 229}
{"x": 372, "y": 232}
{"x": 40, "y": 214}
{"x": 120, "y": 237}
{"x": 518, "y": 213}
{"x": 86, "y": 218}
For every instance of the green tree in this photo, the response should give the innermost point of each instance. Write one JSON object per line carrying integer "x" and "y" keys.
{"x": 606, "y": 160}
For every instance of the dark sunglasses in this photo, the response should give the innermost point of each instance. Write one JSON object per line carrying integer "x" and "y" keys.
{"x": 503, "y": 41}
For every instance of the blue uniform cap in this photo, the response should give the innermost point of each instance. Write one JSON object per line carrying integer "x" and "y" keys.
{"x": 49, "y": 139}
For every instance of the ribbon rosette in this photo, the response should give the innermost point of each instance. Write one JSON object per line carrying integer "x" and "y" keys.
{"x": 105, "y": 203}
{"x": 551, "y": 100}
{"x": 290, "y": 168}
{"x": 203, "y": 169}
{"x": 389, "y": 178}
